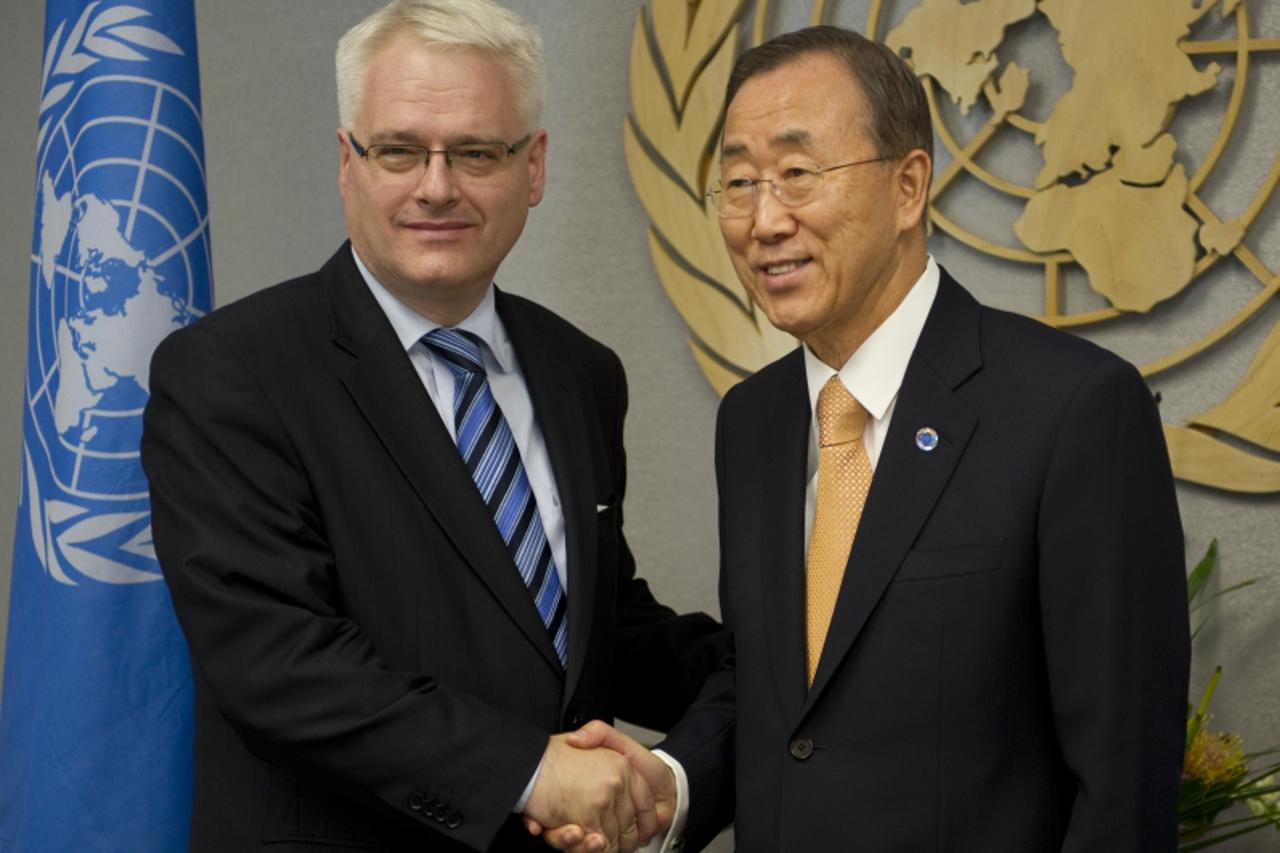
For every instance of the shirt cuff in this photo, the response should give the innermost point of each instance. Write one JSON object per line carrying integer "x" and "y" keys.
{"x": 519, "y": 807}
{"x": 674, "y": 839}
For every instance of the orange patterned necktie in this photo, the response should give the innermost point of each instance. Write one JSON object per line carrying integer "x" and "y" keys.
{"x": 844, "y": 476}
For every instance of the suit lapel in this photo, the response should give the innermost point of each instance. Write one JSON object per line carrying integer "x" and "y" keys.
{"x": 908, "y": 481}
{"x": 784, "y": 442}
{"x": 382, "y": 382}
{"x": 557, "y": 409}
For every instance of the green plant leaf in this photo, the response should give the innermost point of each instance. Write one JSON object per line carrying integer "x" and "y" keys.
{"x": 1257, "y": 823}
{"x": 1200, "y": 574}
{"x": 1223, "y": 592}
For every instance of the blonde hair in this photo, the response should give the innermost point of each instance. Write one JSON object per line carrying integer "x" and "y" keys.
{"x": 475, "y": 24}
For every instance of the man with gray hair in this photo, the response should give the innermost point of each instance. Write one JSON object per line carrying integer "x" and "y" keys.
{"x": 388, "y": 498}
{"x": 949, "y": 540}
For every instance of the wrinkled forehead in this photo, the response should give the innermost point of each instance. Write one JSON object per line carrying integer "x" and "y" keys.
{"x": 411, "y": 86}
{"x": 785, "y": 140}
{"x": 809, "y": 105}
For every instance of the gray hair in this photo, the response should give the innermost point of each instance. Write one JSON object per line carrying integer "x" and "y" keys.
{"x": 477, "y": 24}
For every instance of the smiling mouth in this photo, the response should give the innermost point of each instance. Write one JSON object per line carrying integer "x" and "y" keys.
{"x": 783, "y": 267}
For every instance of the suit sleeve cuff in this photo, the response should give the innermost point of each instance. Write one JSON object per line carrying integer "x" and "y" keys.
{"x": 674, "y": 839}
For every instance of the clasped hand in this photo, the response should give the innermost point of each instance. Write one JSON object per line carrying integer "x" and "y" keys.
{"x": 599, "y": 790}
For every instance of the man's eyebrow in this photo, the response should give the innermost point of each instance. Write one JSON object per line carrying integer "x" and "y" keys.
{"x": 403, "y": 137}
{"x": 791, "y": 139}
{"x": 796, "y": 138}
{"x": 384, "y": 137}
{"x": 472, "y": 139}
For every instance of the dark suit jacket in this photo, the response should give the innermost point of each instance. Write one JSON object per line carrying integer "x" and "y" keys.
{"x": 1006, "y": 668}
{"x": 371, "y": 672}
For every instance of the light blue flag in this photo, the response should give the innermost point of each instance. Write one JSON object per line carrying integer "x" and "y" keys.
{"x": 95, "y": 721}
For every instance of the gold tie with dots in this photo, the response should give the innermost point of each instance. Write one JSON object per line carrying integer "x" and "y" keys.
{"x": 844, "y": 476}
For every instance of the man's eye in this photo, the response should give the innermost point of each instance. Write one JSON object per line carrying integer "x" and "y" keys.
{"x": 738, "y": 185}
{"x": 797, "y": 174}
{"x": 397, "y": 157}
{"x": 478, "y": 154}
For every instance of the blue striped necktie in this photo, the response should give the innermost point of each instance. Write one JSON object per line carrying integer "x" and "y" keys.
{"x": 491, "y": 455}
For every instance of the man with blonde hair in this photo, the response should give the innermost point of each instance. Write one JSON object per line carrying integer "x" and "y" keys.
{"x": 388, "y": 498}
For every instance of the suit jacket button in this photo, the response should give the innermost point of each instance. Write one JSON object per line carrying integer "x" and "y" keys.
{"x": 801, "y": 748}
{"x": 416, "y": 801}
{"x": 453, "y": 820}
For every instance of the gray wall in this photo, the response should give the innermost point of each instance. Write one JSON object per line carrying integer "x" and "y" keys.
{"x": 272, "y": 162}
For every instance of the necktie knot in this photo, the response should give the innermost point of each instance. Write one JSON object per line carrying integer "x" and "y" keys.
{"x": 461, "y": 350}
{"x": 841, "y": 418}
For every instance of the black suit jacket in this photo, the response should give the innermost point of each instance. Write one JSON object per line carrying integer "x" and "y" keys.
{"x": 1006, "y": 667}
{"x": 371, "y": 672}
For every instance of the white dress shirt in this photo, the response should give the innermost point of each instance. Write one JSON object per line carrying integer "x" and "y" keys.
{"x": 509, "y": 391}
{"x": 873, "y": 375}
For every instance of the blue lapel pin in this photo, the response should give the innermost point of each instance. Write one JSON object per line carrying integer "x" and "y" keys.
{"x": 927, "y": 439}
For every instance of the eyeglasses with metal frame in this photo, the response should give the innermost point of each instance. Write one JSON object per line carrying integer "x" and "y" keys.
{"x": 738, "y": 198}
{"x": 472, "y": 159}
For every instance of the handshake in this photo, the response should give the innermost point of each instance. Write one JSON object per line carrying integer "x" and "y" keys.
{"x": 599, "y": 790}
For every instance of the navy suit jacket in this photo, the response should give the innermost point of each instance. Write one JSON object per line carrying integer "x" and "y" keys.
{"x": 1006, "y": 667}
{"x": 370, "y": 671}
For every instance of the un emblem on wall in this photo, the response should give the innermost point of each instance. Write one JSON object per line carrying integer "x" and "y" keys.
{"x": 1114, "y": 220}
{"x": 120, "y": 258}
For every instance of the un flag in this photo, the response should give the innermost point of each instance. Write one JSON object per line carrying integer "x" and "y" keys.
{"x": 95, "y": 722}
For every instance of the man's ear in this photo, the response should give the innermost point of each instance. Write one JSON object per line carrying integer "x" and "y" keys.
{"x": 344, "y": 158}
{"x": 913, "y": 177}
{"x": 537, "y": 166}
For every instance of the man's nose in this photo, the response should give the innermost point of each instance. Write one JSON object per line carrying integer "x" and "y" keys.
{"x": 438, "y": 184}
{"x": 772, "y": 220}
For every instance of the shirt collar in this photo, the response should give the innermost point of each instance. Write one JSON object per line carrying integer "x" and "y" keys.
{"x": 873, "y": 374}
{"x": 410, "y": 326}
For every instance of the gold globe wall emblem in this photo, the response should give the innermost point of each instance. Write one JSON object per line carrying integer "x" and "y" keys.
{"x": 1113, "y": 200}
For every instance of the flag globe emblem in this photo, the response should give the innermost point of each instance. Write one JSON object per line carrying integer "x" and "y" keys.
{"x": 120, "y": 259}
{"x": 1101, "y": 184}
{"x": 96, "y": 731}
